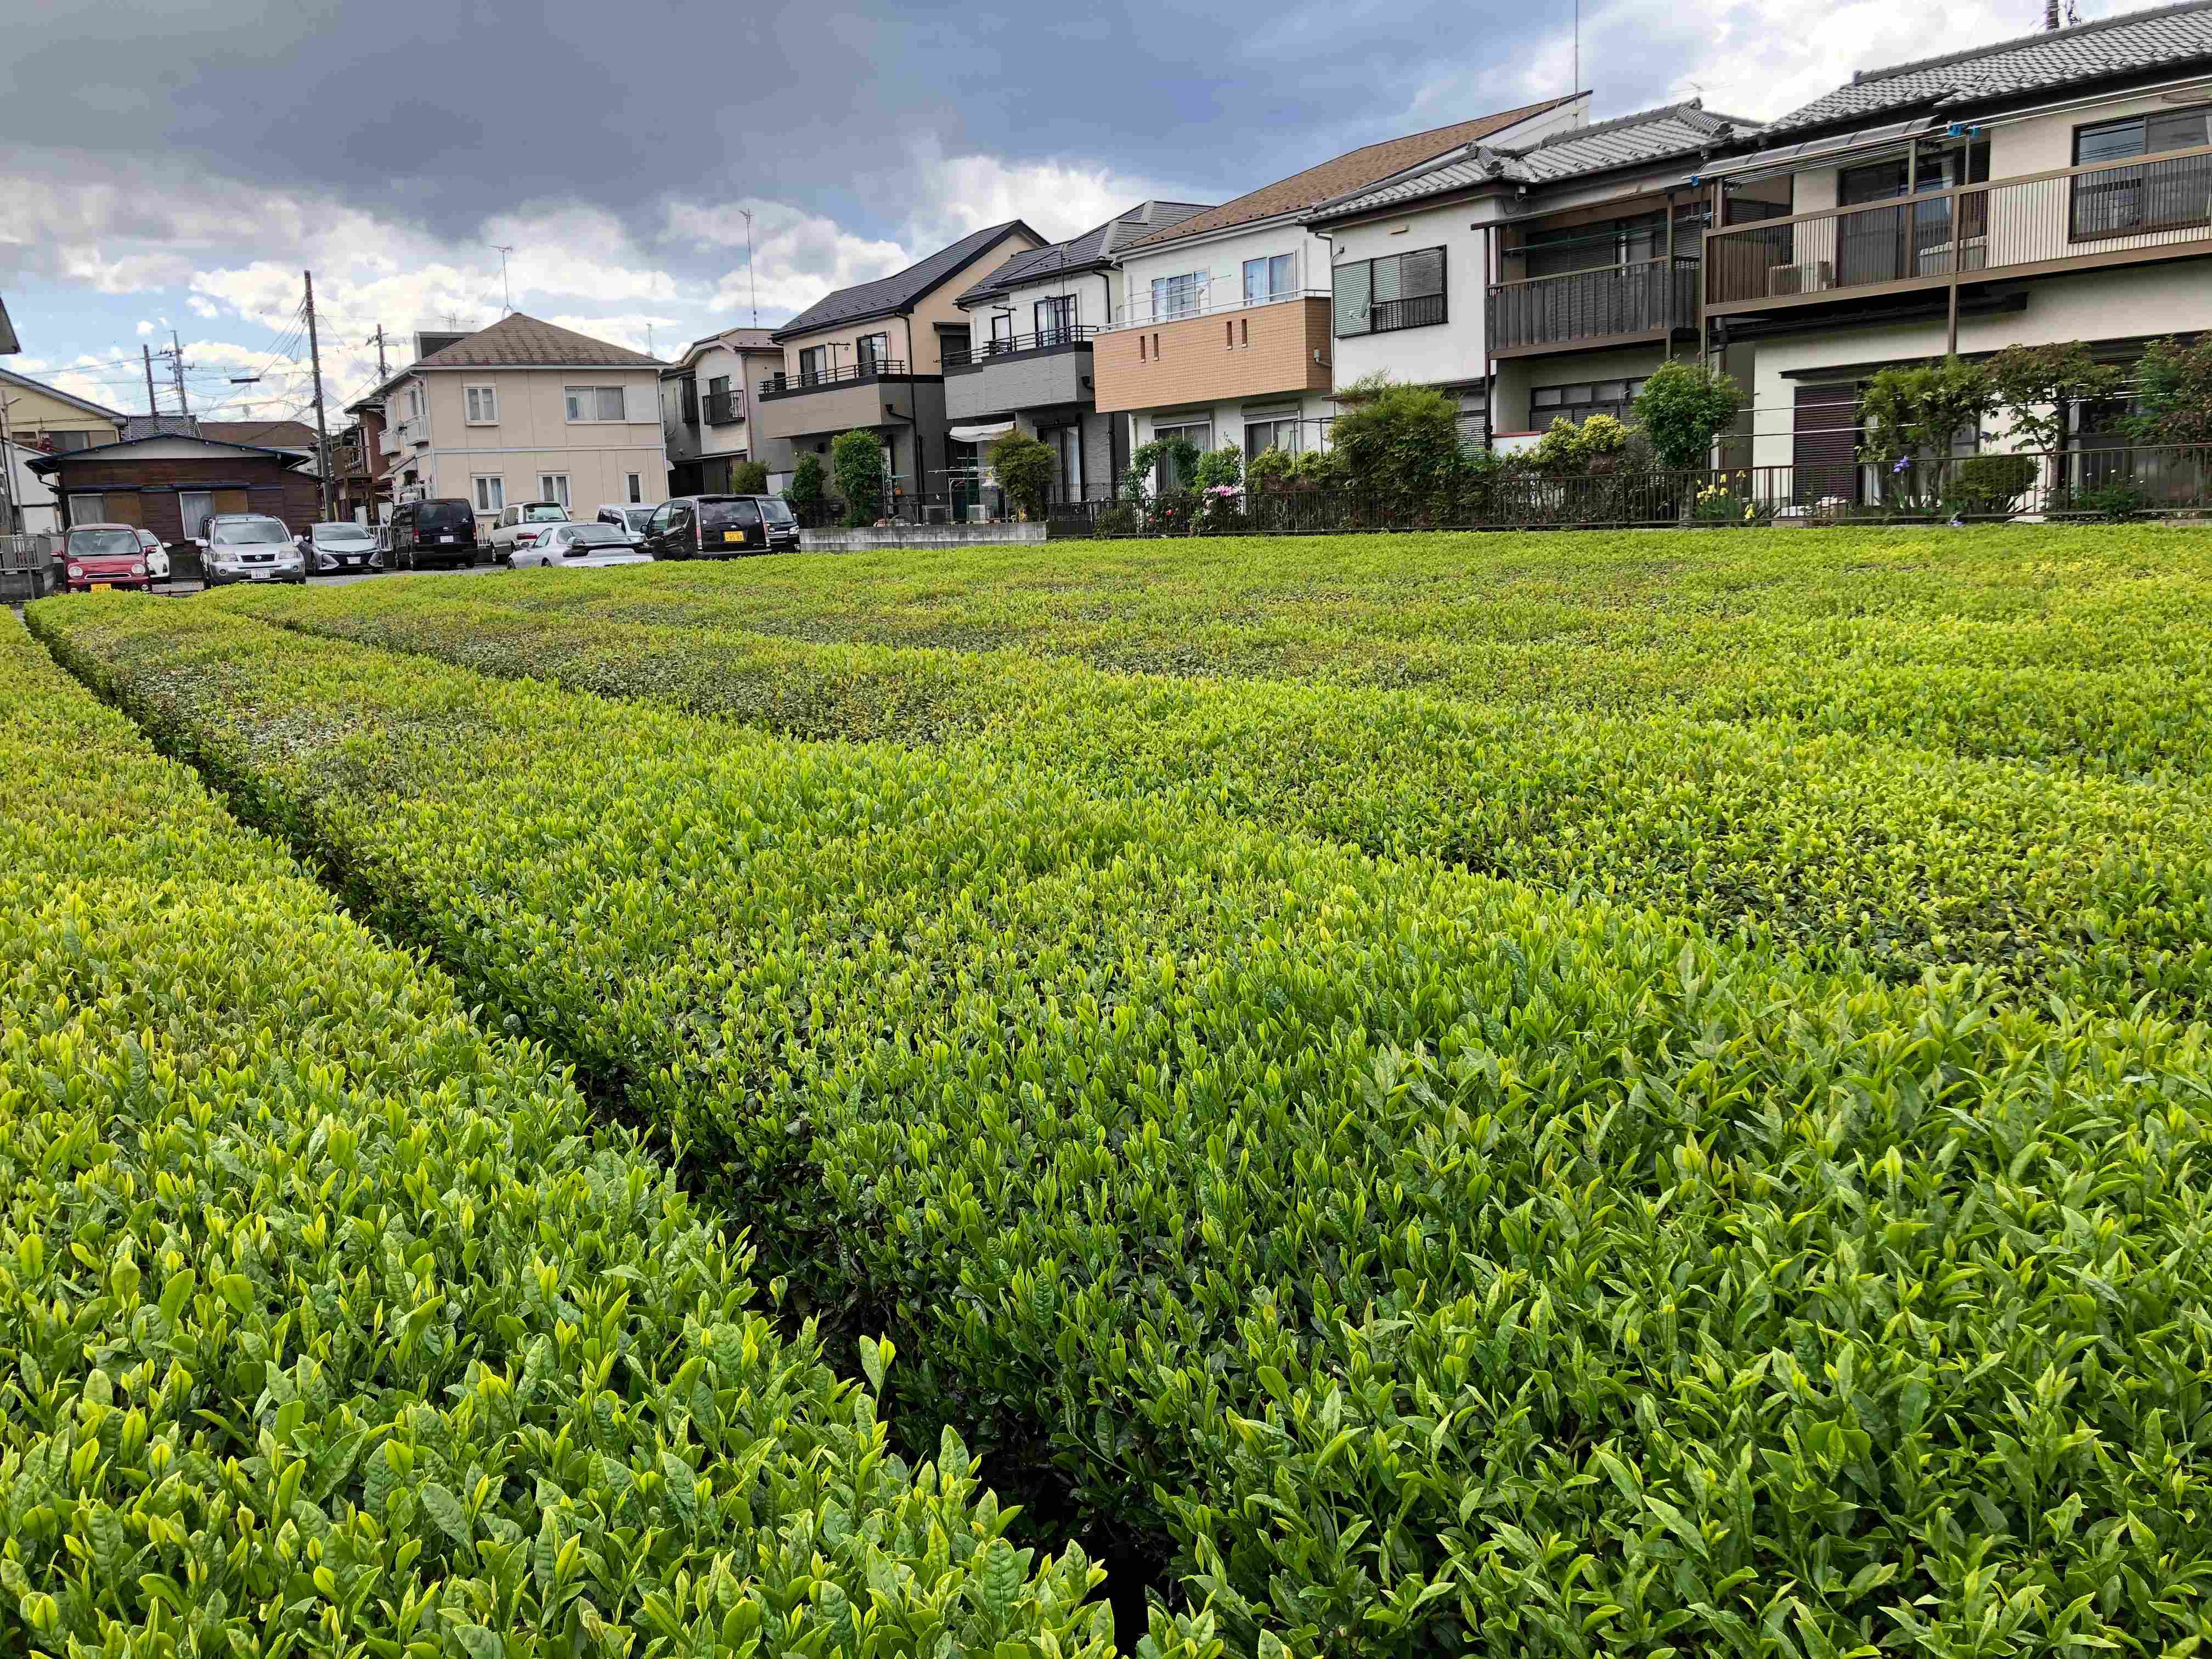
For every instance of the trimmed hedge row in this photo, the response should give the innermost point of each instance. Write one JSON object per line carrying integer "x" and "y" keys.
{"x": 1833, "y": 845}
{"x": 2086, "y": 648}
{"x": 328, "y": 1324}
{"x": 1445, "y": 1265}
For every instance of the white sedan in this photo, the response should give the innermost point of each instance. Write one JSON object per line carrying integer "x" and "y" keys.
{"x": 580, "y": 547}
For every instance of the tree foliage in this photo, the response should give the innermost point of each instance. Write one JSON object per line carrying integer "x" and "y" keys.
{"x": 856, "y": 460}
{"x": 1396, "y": 440}
{"x": 2174, "y": 386}
{"x": 1683, "y": 405}
{"x": 1026, "y": 467}
{"x": 805, "y": 491}
{"x": 1916, "y": 410}
{"x": 748, "y": 477}
{"x": 2038, "y": 385}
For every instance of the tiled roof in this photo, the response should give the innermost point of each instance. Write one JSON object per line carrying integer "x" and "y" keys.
{"x": 896, "y": 292}
{"x": 270, "y": 435}
{"x": 1651, "y": 135}
{"x": 736, "y": 340}
{"x": 9, "y": 343}
{"x": 1353, "y": 170}
{"x": 2054, "y": 57}
{"x": 1095, "y": 247}
{"x": 136, "y": 426}
{"x": 516, "y": 341}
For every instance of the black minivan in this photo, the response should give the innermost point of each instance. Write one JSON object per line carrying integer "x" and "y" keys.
{"x": 720, "y": 527}
{"x": 432, "y": 532}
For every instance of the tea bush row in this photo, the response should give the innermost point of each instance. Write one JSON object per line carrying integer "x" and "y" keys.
{"x": 328, "y": 1324}
{"x": 1444, "y": 1266}
{"x": 1836, "y": 846}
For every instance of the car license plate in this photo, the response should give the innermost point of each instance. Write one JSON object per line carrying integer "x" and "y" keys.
{"x": 733, "y": 536}
{"x": 445, "y": 541}
{"x": 101, "y": 587}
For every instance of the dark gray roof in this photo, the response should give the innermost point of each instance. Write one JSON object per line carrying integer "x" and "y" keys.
{"x": 2133, "y": 41}
{"x": 1095, "y": 247}
{"x": 9, "y": 343}
{"x": 46, "y": 464}
{"x": 888, "y": 295}
{"x": 136, "y": 426}
{"x": 1648, "y": 135}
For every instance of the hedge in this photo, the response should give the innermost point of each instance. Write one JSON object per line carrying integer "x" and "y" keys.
{"x": 1444, "y": 1265}
{"x": 2079, "y": 648}
{"x": 1841, "y": 847}
{"x": 328, "y": 1324}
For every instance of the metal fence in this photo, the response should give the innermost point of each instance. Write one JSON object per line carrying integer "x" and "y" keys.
{"x": 27, "y": 565}
{"x": 2101, "y": 483}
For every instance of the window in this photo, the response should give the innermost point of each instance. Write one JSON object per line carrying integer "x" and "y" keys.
{"x": 2149, "y": 196}
{"x": 414, "y": 403}
{"x": 1055, "y": 319}
{"x": 872, "y": 352}
{"x": 813, "y": 364}
{"x": 1175, "y": 296}
{"x": 193, "y": 508}
{"x": 491, "y": 493}
{"x": 553, "y": 487}
{"x": 484, "y": 404}
{"x": 1266, "y": 432}
{"x": 1402, "y": 290}
{"x": 595, "y": 403}
{"x": 634, "y": 486}
{"x": 61, "y": 443}
{"x": 1272, "y": 279}
{"x": 87, "y": 509}
{"x": 1002, "y": 331}
{"x": 1200, "y": 433}
{"x": 1581, "y": 400}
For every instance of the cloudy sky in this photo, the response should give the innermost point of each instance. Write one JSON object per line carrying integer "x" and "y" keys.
{"x": 179, "y": 172}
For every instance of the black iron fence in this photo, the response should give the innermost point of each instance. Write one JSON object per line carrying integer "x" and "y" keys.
{"x": 866, "y": 368}
{"x": 964, "y": 357}
{"x": 723, "y": 408}
{"x": 2075, "y": 484}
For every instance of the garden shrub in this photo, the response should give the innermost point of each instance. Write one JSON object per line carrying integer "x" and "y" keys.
{"x": 1986, "y": 484}
{"x": 1683, "y": 405}
{"x": 856, "y": 461}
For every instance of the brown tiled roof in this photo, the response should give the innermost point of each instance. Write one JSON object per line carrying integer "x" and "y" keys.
{"x": 516, "y": 341}
{"x": 270, "y": 435}
{"x": 1353, "y": 170}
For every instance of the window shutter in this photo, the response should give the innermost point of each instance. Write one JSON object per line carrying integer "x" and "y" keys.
{"x": 1354, "y": 293}
{"x": 1824, "y": 446}
{"x": 1423, "y": 273}
{"x": 637, "y": 403}
{"x": 1389, "y": 283}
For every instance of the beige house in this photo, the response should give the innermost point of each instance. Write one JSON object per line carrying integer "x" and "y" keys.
{"x": 43, "y": 417}
{"x": 524, "y": 411}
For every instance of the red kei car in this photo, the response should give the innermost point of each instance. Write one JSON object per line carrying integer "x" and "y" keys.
{"x": 103, "y": 556}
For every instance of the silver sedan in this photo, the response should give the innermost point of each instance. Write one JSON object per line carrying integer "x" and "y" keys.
{"x": 580, "y": 547}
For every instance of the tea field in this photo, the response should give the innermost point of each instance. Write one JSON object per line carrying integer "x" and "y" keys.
{"x": 1558, "y": 1095}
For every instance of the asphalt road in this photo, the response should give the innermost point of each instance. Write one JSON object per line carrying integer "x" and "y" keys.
{"x": 347, "y": 579}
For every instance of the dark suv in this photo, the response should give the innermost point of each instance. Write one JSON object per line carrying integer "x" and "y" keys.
{"x": 720, "y": 527}
{"x": 432, "y": 532}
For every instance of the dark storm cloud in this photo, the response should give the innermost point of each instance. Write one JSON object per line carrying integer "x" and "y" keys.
{"x": 444, "y": 114}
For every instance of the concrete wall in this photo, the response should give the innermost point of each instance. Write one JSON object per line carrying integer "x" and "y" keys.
{"x": 963, "y": 535}
{"x": 1517, "y": 376}
{"x": 1436, "y": 354}
{"x": 1218, "y": 263}
{"x": 1097, "y": 293}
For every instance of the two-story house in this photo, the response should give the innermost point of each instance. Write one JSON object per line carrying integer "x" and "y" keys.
{"x": 524, "y": 411}
{"x": 872, "y": 358}
{"x": 1223, "y": 334}
{"x": 45, "y": 417}
{"x": 1536, "y": 281}
{"x": 1027, "y": 361}
{"x": 2048, "y": 189}
{"x": 706, "y": 402}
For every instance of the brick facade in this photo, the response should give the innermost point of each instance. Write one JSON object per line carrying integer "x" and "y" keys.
{"x": 1255, "y": 352}
{"x": 243, "y": 483}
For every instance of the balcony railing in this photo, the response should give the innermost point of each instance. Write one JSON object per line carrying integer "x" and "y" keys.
{"x": 867, "y": 368}
{"x": 1387, "y": 316}
{"x": 962, "y": 356}
{"x": 2073, "y": 218}
{"x": 1144, "y": 314}
{"x": 1581, "y": 306}
{"x": 723, "y": 408}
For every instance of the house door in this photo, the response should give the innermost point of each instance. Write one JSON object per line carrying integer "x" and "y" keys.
{"x": 1823, "y": 444}
{"x": 193, "y": 507}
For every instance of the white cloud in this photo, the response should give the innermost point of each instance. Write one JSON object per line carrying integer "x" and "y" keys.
{"x": 145, "y": 327}
{"x": 961, "y": 193}
{"x": 798, "y": 256}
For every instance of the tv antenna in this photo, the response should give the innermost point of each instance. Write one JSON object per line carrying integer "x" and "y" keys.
{"x": 507, "y": 294}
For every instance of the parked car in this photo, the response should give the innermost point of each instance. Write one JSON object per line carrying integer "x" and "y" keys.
{"x": 340, "y": 545}
{"x": 442, "y": 531}
{"x": 249, "y": 547}
{"x": 518, "y": 526}
{"x": 95, "y": 555}
{"x": 581, "y": 546}
{"x": 720, "y": 527}
{"x": 629, "y": 515}
{"x": 157, "y": 556}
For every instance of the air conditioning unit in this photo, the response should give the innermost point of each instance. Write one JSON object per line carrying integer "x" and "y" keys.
{"x": 1785, "y": 280}
{"x": 978, "y": 513}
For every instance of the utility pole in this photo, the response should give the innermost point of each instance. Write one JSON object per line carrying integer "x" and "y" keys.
{"x": 322, "y": 432}
{"x": 753, "y": 277}
{"x": 147, "y": 351}
{"x": 377, "y": 340}
{"x": 177, "y": 368}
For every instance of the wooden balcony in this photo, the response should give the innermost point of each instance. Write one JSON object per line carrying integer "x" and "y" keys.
{"x": 1582, "y": 310}
{"x": 2072, "y": 219}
